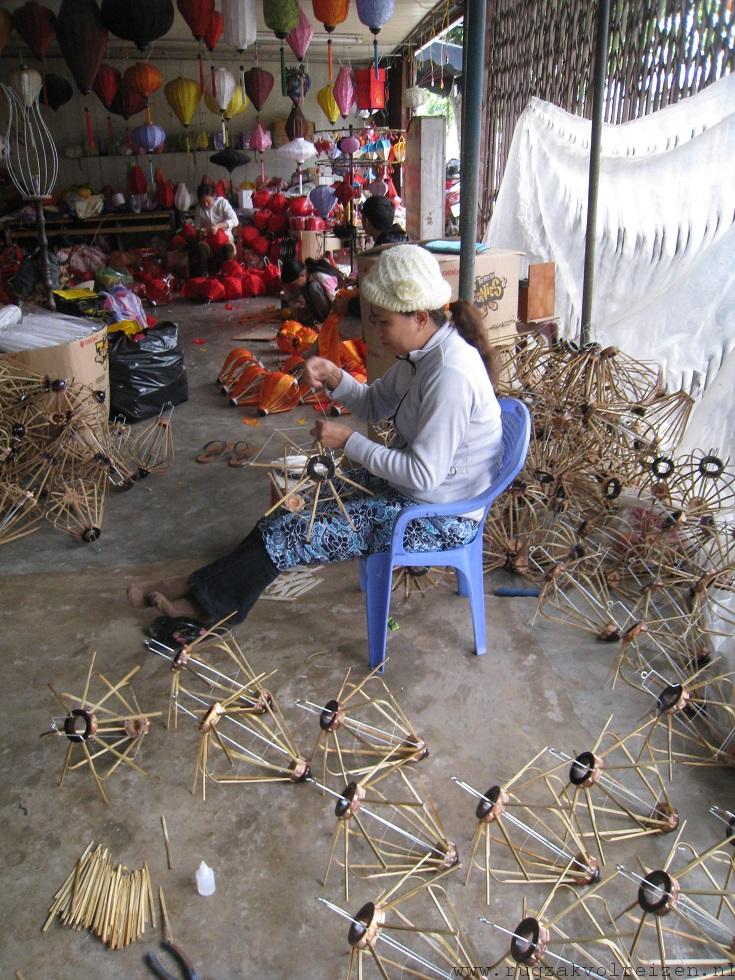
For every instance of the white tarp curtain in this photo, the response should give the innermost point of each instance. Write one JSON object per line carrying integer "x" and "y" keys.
{"x": 664, "y": 280}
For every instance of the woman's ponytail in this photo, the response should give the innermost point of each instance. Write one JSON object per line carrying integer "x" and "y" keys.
{"x": 469, "y": 324}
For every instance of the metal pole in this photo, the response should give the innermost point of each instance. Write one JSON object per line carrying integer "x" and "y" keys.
{"x": 598, "y": 97}
{"x": 473, "y": 72}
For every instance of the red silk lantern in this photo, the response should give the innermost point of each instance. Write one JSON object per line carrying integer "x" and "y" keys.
{"x": 107, "y": 84}
{"x": 214, "y": 30}
{"x": 258, "y": 86}
{"x": 197, "y": 14}
{"x": 345, "y": 192}
{"x": 137, "y": 183}
{"x": 36, "y": 26}
{"x": 370, "y": 89}
{"x": 232, "y": 286}
{"x": 82, "y": 38}
{"x": 261, "y": 219}
{"x": 278, "y": 204}
{"x": 126, "y": 102}
{"x": 261, "y": 199}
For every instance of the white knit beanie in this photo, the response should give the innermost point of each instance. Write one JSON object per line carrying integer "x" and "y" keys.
{"x": 406, "y": 279}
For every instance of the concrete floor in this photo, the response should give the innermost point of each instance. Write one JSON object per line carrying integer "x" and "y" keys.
{"x": 482, "y": 718}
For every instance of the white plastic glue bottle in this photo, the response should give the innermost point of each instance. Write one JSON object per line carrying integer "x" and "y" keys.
{"x": 205, "y": 879}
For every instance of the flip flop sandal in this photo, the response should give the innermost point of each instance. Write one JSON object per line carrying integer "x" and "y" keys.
{"x": 213, "y": 449}
{"x": 240, "y": 455}
{"x": 175, "y": 630}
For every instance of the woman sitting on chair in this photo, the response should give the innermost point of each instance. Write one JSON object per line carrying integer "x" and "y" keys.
{"x": 447, "y": 446}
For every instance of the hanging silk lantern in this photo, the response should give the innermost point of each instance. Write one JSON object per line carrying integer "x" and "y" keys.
{"x": 414, "y": 97}
{"x": 330, "y": 13}
{"x": 299, "y": 38}
{"x": 144, "y": 78}
{"x": 296, "y": 123}
{"x": 327, "y": 103}
{"x": 26, "y": 83}
{"x": 82, "y": 38}
{"x": 197, "y": 14}
{"x": 183, "y": 95}
{"x": 324, "y": 199}
{"x": 237, "y": 104}
{"x": 36, "y": 25}
{"x": 298, "y": 84}
{"x": 349, "y": 145}
{"x": 127, "y": 103}
{"x": 260, "y": 138}
{"x": 258, "y": 85}
{"x": 6, "y": 26}
{"x": 149, "y": 138}
{"x": 223, "y": 89}
{"x": 370, "y": 88}
{"x": 298, "y": 150}
{"x": 344, "y": 91}
{"x": 139, "y": 21}
{"x": 57, "y": 91}
{"x": 281, "y": 16}
{"x": 107, "y": 84}
{"x": 214, "y": 30}
{"x": 240, "y": 23}
{"x": 375, "y": 14}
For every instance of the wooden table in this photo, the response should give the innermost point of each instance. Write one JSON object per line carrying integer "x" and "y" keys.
{"x": 114, "y": 223}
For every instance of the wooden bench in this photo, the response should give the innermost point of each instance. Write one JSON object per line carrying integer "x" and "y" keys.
{"x": 120, "y": 224}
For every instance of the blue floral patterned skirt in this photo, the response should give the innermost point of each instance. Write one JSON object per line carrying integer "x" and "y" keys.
{"x": 334, "y": 539}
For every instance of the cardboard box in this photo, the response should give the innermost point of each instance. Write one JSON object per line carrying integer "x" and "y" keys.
{"x": 314, "y": 243}
{"x": 497, "y": 272}
{"x": 83, "y": 361}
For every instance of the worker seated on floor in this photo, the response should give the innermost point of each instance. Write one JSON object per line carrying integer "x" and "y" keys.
{"x": 309, "y": 289}
{"x": 214, "y": 220}
{"x": 447, "y": 447}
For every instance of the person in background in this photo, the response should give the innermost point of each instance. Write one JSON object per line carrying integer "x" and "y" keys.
{"x": 213, "y": 214}
{"x": 378, "y": 221}
{"x": 309, "y": 288}
{"x": 447, "y": 447}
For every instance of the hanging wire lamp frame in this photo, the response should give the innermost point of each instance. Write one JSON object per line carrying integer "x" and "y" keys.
{"x": 33, "y": 166}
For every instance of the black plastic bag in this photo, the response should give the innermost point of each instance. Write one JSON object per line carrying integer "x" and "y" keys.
{"x": 146, "y": 374}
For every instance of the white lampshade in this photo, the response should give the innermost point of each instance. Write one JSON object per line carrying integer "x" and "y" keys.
{"x": 298, "y": 150}
{"x": 26, "y": 83}
{"x": 415, "y": 97}
{"x": 224, "y": 84}
{"x": 240, "y": 23}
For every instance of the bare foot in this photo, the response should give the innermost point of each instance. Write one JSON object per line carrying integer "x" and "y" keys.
{"x": 139, "y": 593}
{"x": 184, "y": 606}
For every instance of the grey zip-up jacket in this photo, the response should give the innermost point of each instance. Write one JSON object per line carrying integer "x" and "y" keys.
{"x": 448, "y": 443}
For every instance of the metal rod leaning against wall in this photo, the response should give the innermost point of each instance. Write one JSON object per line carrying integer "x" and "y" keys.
{"x": 472, "y": 114}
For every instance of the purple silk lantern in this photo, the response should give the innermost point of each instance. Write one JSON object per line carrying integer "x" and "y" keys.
{"x": 260, "y": 138}
{"x": 149, "y": 138}
{"x": 258, "y": 86}
{"x": 323, "y": 198}
{"x": 375, "y": 14}
{"x": 349, "y": 144}
{"x": 344, "y": 91}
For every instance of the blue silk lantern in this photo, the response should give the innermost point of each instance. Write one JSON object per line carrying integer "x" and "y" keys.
{"x": 323, "y": 198}
{"x": 149, "y": 138}
{"x": 375, "y": 14}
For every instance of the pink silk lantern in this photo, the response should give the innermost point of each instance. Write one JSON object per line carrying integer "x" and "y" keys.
{"x": 260, "y": 140}
{"x": 300, "y": 37}
{"x": 344, "y": 91}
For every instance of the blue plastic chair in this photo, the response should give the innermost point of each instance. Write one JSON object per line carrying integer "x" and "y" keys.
{"x": 376, "y": 571}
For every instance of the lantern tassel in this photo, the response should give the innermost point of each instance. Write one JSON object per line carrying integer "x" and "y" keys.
{"x": 90, "y": 134}
{"x": 148, "y": 120}
{"x": 375, "y": 57}
{"x": 201, "y": 73}
{"x": 329, "y": 58}
{"x": 283, "y": 71}
{"x": 262, "y": 167}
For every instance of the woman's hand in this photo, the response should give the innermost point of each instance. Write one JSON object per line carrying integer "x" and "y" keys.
{"x": 320, "y": 373}
{"x": 332, "y": 435}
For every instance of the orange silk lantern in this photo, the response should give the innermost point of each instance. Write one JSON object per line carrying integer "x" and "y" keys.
{"x": 247, "y": 389}
{"x": 279, "y": 392}
{"x": 145, "y": 79}
{"x": 330, "y": 13}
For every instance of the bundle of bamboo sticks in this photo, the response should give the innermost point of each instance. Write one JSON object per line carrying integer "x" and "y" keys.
{"x": 114, "y": 903}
